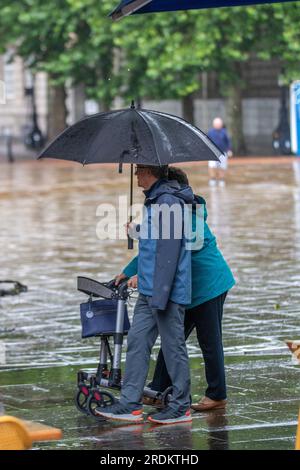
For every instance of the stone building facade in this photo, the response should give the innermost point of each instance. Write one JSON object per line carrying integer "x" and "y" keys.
{"x": 15, "y": 106}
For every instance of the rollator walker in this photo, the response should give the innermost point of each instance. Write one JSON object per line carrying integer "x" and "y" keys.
{"x": 106, "y": 318}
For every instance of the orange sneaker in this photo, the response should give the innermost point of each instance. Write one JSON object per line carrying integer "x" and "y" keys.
{"x": 119, "y": 412}
{"x": 170, "y": 416}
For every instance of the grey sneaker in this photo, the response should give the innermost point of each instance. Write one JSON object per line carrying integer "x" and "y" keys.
{"x": 170, "y": 416}
{"x": 120, "y": 412}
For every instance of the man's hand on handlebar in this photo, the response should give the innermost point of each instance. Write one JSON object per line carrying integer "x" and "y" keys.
{"x": 132, "y": 230}
{"x": 133, "y": 282}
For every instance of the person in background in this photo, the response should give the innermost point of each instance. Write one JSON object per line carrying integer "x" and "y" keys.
{"x": 211, "y": 280}
{"x": 217, "y": 170}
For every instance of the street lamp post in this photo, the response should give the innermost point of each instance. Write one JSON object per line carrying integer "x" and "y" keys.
{"x": 282, "y": 135}
{"x": 34, "y": 138}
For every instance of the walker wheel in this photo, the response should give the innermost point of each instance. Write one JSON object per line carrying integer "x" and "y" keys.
{"x": 81, "y": 398}
{"x": 99, "y": 399}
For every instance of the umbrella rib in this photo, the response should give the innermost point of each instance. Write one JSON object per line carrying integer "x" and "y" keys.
{"x": 119, "y": 13}
{"x": 202, "y": 134}
{"x": 148, "y": 127}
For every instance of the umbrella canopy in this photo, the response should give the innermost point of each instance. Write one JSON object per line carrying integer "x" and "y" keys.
{"x": 132, "y": 136}
{"x": 127, "y": 7}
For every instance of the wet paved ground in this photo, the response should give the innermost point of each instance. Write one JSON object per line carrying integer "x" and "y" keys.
{"x": 48, "y": 219}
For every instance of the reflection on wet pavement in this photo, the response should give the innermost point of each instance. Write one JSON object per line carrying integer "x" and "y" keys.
{"x": 48, "y": 238}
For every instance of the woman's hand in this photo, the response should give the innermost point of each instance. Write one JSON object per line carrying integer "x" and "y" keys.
{"x": 119, "y": 278}
{"x": 133, "y": 282}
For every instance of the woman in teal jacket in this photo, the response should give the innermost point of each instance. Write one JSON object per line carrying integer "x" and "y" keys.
{"x": 211, "y": 280}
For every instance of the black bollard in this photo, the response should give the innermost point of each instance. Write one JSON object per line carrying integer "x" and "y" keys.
{"x": 8, "y": 142}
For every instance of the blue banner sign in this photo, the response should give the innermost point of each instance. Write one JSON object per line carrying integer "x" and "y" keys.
{"x": 295, "y": 116}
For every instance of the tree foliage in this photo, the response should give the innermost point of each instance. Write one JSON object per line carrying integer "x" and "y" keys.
{"x": 158, "y": 56}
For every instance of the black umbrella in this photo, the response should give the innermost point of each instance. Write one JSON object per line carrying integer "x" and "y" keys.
{"x": 132, "y": 135}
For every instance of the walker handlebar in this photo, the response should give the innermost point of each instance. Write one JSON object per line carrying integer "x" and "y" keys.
{"x": 122, "y": 288}
{"x": 107, "y": 290}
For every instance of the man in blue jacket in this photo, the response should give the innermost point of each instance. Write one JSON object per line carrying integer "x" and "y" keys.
{"x": 164, "y": 286}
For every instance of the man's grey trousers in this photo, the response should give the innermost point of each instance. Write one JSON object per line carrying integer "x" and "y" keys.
{"x": 147, "y": 324}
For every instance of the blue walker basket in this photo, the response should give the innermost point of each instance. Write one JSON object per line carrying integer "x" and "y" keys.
{"x": 98, "y": 317}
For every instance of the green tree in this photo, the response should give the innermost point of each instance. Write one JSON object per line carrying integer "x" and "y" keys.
{"x": 159, "y": 60}
{"x": 165, "y": 54}
{"x": 287, "y": 43}
{"x": 70, "y": 40}
{"x": 158, "y": 56}
{"x": 34, "y": 31}
{"x": 232, "y": 36}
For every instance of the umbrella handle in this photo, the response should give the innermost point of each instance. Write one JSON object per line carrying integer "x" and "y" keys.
{"x": 130, "y": 240}
{"x": 130, "y": 243}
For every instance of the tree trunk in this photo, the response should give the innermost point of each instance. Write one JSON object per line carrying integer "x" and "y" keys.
{"x": 235, "y": 114}
{"x": 103, "y": 107}
{"x": 139, "y": 103}
{"x": 78, "y": 96}
{"x": 188, "y": 108}
{"x": 57, "y": 110}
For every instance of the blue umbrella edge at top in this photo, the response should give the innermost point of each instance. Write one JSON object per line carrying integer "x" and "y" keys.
{"x": 152, "y": 6}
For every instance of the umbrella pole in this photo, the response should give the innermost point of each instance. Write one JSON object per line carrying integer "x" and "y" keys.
{"x": 130, "y": 240}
